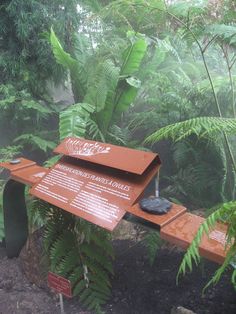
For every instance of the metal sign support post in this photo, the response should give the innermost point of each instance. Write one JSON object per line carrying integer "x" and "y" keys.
{"x": 61, "y": 303}
{"x": 157, "y": 185}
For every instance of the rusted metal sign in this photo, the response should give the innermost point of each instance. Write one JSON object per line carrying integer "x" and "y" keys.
{"x": 60, "y": 284}
{"x": 25, "y": 171}
{"x": 97, "y": 181}
{"x": 182, "y": 230}
{"x": 122, "y": 158}
{"x": 20, "y": 164}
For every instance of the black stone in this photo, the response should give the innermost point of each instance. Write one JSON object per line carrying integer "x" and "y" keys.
{"x": 155, "y": 205}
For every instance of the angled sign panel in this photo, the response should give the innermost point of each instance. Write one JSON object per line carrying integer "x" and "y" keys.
{"x": 85, "y": 186}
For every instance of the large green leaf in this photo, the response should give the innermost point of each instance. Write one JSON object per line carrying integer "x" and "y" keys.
{"x": 61, "y": 56}
{"x": 121, "y": 94}
{"x": 133, "y": 56}
{"x": 77, "y": 71}
{"x": 73, "y": 120}
{"x": 128, "y": 92}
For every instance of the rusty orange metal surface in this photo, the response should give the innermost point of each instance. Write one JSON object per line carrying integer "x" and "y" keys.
{"x": 122, "y": 158}
{"x": 213, "y": 248}
{"x": 22, "y": 164}
{"x": 160, "y": 220}
{"x": 29, "y": 175}
{"x": 93, "y": 192}
{"x": 182, "y": 230}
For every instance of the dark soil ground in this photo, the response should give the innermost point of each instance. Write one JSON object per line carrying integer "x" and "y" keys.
{"x": 137, "y": 287}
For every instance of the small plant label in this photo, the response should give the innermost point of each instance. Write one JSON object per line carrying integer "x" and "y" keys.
{"x": 60, "y": 284}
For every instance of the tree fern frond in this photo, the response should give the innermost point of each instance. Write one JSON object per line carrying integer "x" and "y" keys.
{"x": 193, "y": 253}
{"x": 215, "y": 279}
{"x": 94, "y": 132}
{"x": 153, "y": 242}
{"x": 223, "y": 31}
{"x": 183, "y": 8}
{"x": 201, "y": 127}
{"x": 95, "y": 253}
{"x": 33, "y": 105}
{"x": 73, "y": 120}
{"x": 101, "y": 83}
{"x": 60, "y": 247}
{"x": 118, "y": 136}
{"x": 76, "y": 276}
{"x": 35, "y": 142}
{"x": 9, "y": 152}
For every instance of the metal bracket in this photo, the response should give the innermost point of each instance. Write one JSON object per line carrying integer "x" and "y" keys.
{"x": 15, "y": 217}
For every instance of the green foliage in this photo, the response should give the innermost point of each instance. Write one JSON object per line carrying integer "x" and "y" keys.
{"x": 107, "y": 90}
{"x": 23, "y": 119}
{"x": 208, "y": 127}
{"x": 153, "y": 242}
{"x": 35, "y": 142}
{"x": 76, "y": 68}
{"x": 9, "y": 152}
{"x": 26, "y": 59}
{"x": 200, "y": 171}
{"x": 223, "y": 32}
{"x": 79, "y": 251}
{"x": 227, "y": 214}
{"x": 74, "y": 120}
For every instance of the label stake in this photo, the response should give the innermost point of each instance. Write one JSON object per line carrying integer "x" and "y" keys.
{"x": 61, "y": 303}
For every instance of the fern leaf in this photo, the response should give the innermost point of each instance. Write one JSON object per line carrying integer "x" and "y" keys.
{"x": 60, "y": 248}
{"x": 153, "y": 242}
{"x": 81, "y": 286}
{"x": 215, "y": 279}
{"x": 193, "y": 253}
{"x": 201, "y": 127}
{"x": 73, "y": 120}
{"x": 35, "y": 142}
{"x": 95, "y": 254}
{"x": 94, "y": 132}
{"x": 225, "y": 32}
{"x": 102, "y": 84}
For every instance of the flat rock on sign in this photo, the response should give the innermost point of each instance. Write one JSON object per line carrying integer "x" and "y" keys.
{"x": 97, "y": 181}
